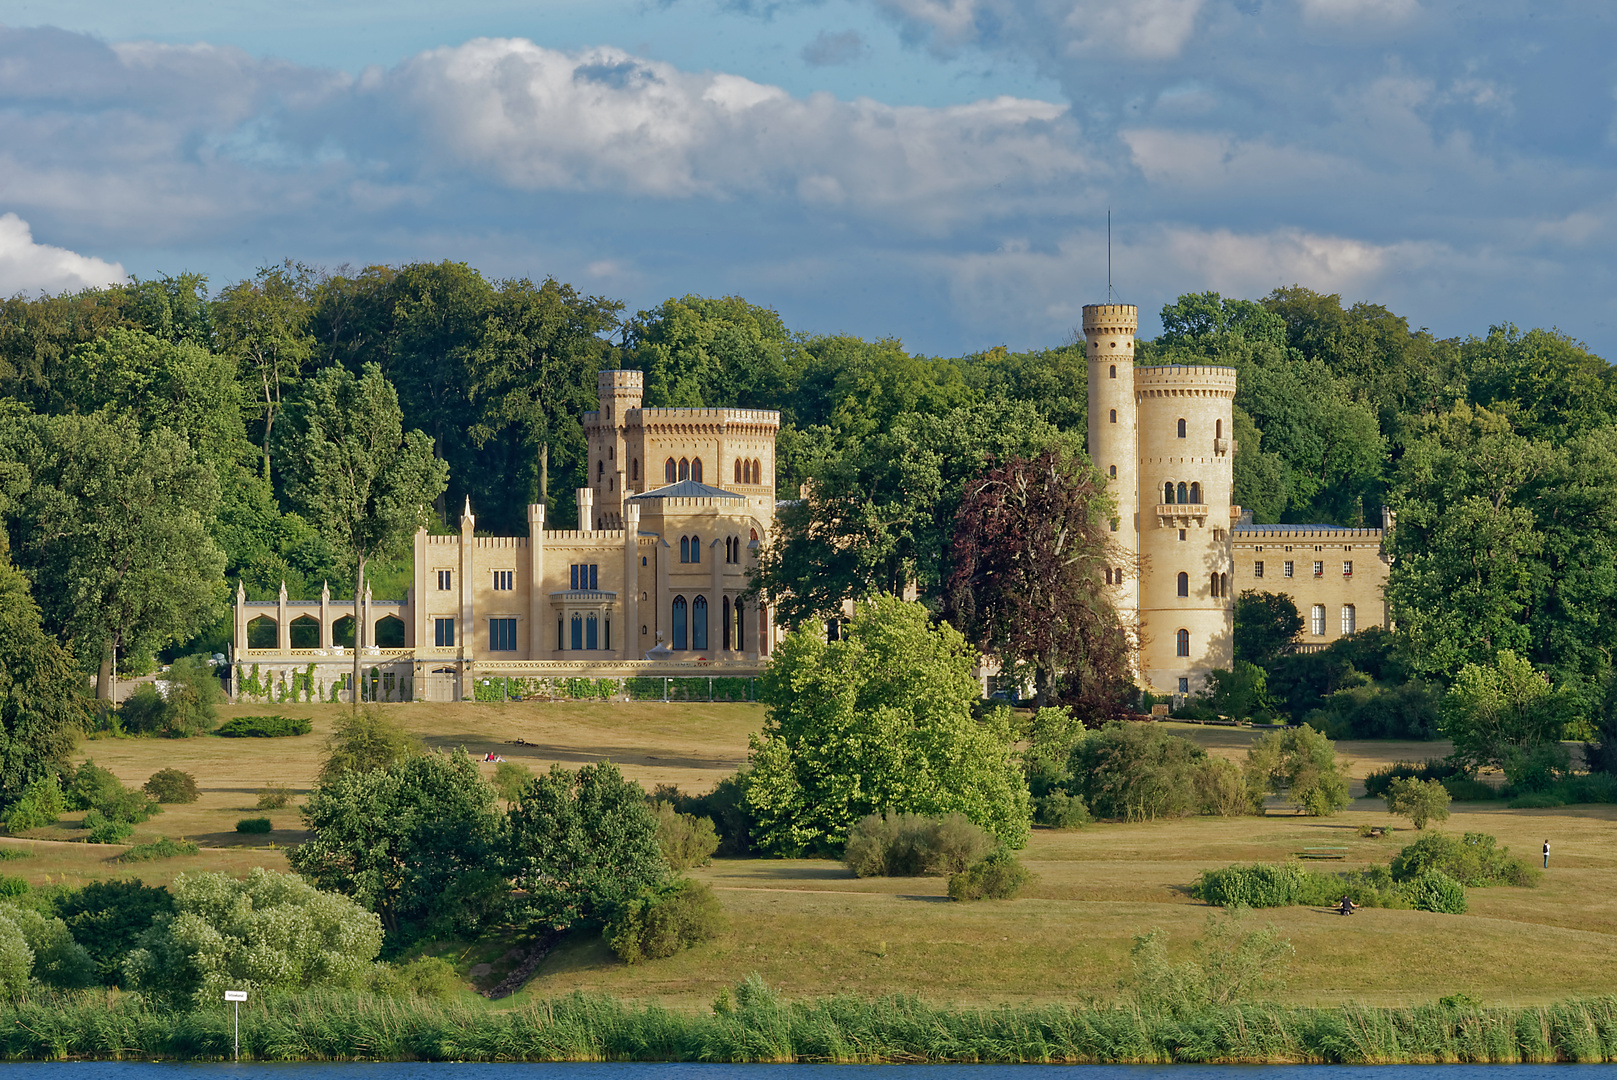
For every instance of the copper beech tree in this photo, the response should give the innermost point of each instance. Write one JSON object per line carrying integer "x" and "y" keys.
{"x": 1031, "y": 556}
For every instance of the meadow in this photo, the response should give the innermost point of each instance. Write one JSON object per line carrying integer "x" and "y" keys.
{"x": 807, "y": 927}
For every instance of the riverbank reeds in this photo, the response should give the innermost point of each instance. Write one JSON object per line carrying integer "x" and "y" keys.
{"x": 757, "y": 1027}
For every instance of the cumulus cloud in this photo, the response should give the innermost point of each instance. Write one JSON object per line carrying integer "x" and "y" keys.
{"x": 29, "y": 267}
{"x": 828, "y": 49}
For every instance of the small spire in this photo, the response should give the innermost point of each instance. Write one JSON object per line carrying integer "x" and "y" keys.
{"x": 466, "y": 518}
{"x": 283, "y": 590}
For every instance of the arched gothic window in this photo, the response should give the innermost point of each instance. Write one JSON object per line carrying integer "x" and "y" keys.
{"x": 699, "y": 623}
{"x": 741, "y": 625}
{"x": 1184, "y": 583}
{"x": 1167, "y": 493}
{"x": 757, "y": 471}
{"x": 754, "y": 533}
{"x": 671, "y": 471}
{"x": 577, "y": 633}
{"x": 1215, "y": 586}
{"x": 1218, "y": 429}
{"x": 1184, "y": 642}
{"x": 1181, "y": 429}
{"x": 738, "y": 470}
{"x": 600, "y": 470}
{"x": 1114, "y": 371}
{"x": 684, "y": 469}
{"x": 696, "y": 549}
{"x": 696, "y": 470}
{"x": 1114, "y": 416}
{"x": 1195, "y": 493}
{"x": 679, "y": 624}
{"x": 1112, "y": 472}
{"x": 1108, "y": 575}
{"x": 684, "y": 549}
{"x": 1118, "y": 573}
{"x": 1224, "y": 585}
{"x": 1184, "y": 492}
{"x": 634, "y": 470}
{"x": 726, "y": 625}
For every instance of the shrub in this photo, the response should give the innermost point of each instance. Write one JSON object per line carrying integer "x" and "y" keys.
{"x": 89, "y": 786}
{"x": 511, "y": 780}
{"x": 1474, "y": 861}
{"x": 1136, "y": 772}
{"x": 1230, "y": 965}
{"x": 1537, "y": 768}
{"x": 365, "y": 740}
{"x": 911, "y": 845}
{"x": 39, "y": 804}
{"x": 192, "y": 694}
{"x": 1377, "y": 782}
{"x": 426, "y": 976}
{"x": 1059, "y": 810}
{"x": 9, "y": 853}
{"x": 1433, "y": 890}
{"x": 1290, "y": 885}
{"x": 108, "y": 917}
{"x": 264, "y": 727}
{"x": 143, "y": 712}
{"x": 273, "y": 797}
{"x": 1370, "y": 711}
{"x": 1221, "y": 788}
{"x": 58, "y": 960}
{"x": 161, "y": 848}
{"x": 106, "y": 830}
{"x": 1462, "y": 789}
{"x": 997, "y": 876}
{"x": 172, "y": 786}
{"x": 12, "y": 886}
{"x": 273, "y": 931}
{"x": 1537, "y": 800}
{"x": 685, "y": 840}
{"x": 661, "y": 922}
{"x": 725, "y": 805}
{"x": 253, "y": 825}
{"x": 1421, "y": 801}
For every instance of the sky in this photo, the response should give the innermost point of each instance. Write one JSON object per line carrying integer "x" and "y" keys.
{"x": 939, "y": 171}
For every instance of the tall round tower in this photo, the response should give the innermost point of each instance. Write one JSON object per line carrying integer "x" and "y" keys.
{"x": 1113, "y": 437}
{"x": 1186, "y": 479}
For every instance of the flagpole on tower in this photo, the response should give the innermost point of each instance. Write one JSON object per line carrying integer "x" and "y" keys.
{"x": 1108, "y": 254}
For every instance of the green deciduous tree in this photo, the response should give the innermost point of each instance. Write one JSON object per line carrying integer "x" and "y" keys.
{"x": 1299, "y": 763}
{"x": 1494, "y": 711}
{"x": 581, "y": 845}
{"x": 113, "y": 532}
{"x": 363, "y": 481}
{"x": 416, "y": 842}
{"x": 1421, "y": 801}
{"x": 41, "y": 697}
{"x": 263, "y": 323}
{"x": 880, "y": 720}
{"x": 1267, "y": 625}
{"x": 108, "y": 919}
{"x": 701, "y": 352}
{"x": 270, "y": 932}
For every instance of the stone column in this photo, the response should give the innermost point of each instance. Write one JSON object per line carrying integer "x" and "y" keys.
{"x": 240, "y": 638}
{"x": 537, "y": 613}
{"x": 662, "y": 597}
{"x": 715, "y": 603}
{"x": 586, "y": 509}
{"x": 468, "y": 567}
{"x": 283, "y": 636}
{"x": 632, "y": 648}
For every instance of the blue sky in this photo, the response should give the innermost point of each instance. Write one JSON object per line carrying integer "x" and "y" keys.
{"x": 935, "y": 170}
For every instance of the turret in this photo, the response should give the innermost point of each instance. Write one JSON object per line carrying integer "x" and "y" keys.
{"x": 1114, "y": 435}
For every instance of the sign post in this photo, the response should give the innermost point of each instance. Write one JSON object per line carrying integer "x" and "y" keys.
{"x": 236, "y": 997}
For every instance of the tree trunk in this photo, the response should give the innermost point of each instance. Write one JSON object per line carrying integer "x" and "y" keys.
{"x": 105, "y": 679}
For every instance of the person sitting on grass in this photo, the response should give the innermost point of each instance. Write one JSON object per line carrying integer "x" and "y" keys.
{"x": 1347, "y": 906}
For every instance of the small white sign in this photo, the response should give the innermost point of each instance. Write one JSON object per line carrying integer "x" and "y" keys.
{"x": 235, "y": 995}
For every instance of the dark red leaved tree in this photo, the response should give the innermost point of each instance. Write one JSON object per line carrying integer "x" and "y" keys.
{"x": 1029, "y": 556}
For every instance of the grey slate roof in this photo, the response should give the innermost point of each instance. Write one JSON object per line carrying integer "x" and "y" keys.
{"x": 686, "y": 489}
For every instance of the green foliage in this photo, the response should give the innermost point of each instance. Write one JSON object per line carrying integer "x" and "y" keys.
{"x": 1433, "y": 890}
{"x": 1475, "y": 861}
{"x": 1377, "y": 781}
{"x": 1299, "y": 763}
{"x": 881, "y": 719}
{"x": 1058, "y": 810}
{"x": 172, "y": 786}
{"x": 363, "y": 740}
{"x": 1242, "y": 692}
{"x": 582, "y": 845}
{"x": 254, "y": 825}
{"x": 13, "y": 886}
{"x": 1493, "y": 712}
{"x": 270, "y": 932}
{"x": 1465, "y": 790}
{"x": 274, "y": 797}
{"x": 36, "y": 806}
{"x": 1136, "y": 772}
{"x": 144, "y": 711}
{"x": 996, "y": 876}
{"x": 1263, "y": 885}
{"x": 264, "y": 727}
{"x": 415, "y": 842}
{"x": 90, "y": 786}
{"x": 161, "y": 848}
{"x": 104, "y": 829}
{"x": 725, "y": 806}
{"x": 510, "y": 780}
{"x": 1421, "y": 801}
{"x": 665, "y": 920}
{"x": 42, "y": 706}
{"x": 192, "y": 698}
{"x": 684, "y": 839}
{"x": 1362, "y": 709}
{"x": 1537, "y": 767}
{"x": 425, "y": 976}
{"x": 108, "y": 918}
{"x": 16, "y": 960}
{"x": 58, "y": 961}
{"x": 912, "y": 845}
{"x": 1231, "y": 963}
{"x": 1538, "y": 800}
{"x": 1267, "y": 625}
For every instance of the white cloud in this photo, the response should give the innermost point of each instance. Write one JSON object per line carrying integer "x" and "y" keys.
{"x": 27, "y": 267}
{"x": 1139, "y": 29}
{"x": 1251, "y": 264}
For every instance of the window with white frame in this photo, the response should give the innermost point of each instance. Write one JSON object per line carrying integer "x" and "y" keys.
{"x": 1286, "y": 570}
{"x": 1318, "y": 621}
{"x": 1350, "y": 619}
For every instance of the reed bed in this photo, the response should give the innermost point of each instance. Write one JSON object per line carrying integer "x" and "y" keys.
{"x": 342, "y": 1026}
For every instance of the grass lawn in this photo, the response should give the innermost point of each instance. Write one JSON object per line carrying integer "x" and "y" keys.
{"x": 808, "y": 927}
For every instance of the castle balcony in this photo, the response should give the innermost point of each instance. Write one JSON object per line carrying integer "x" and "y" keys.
{"x": 1221, "y": 447}
{"x": 1180, "y": 515}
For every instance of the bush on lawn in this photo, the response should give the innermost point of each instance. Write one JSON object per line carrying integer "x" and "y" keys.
{"x": 161, "y": 848}
{"x": 172, "y": 786}
{"x": 1377, "y": 782}
{"x": 274, "y": 797}
{"x": 264, "y": 727}
{"x": 662, "y": 921}
{"x": 913, "y": 845}
{"x": 997, "y": 876}
{"x": 253, "y": 825}
{"x": 106, "y": 830}
{"x": 1475, "y": 861}
{"x": 685, "y": 839}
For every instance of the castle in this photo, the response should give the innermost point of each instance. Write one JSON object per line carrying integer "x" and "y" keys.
{"x": 1163, "y": 438}
{"x": 650, "y": 582}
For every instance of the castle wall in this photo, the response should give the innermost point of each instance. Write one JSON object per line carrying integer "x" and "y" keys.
{"x": 1352, "y": 574}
